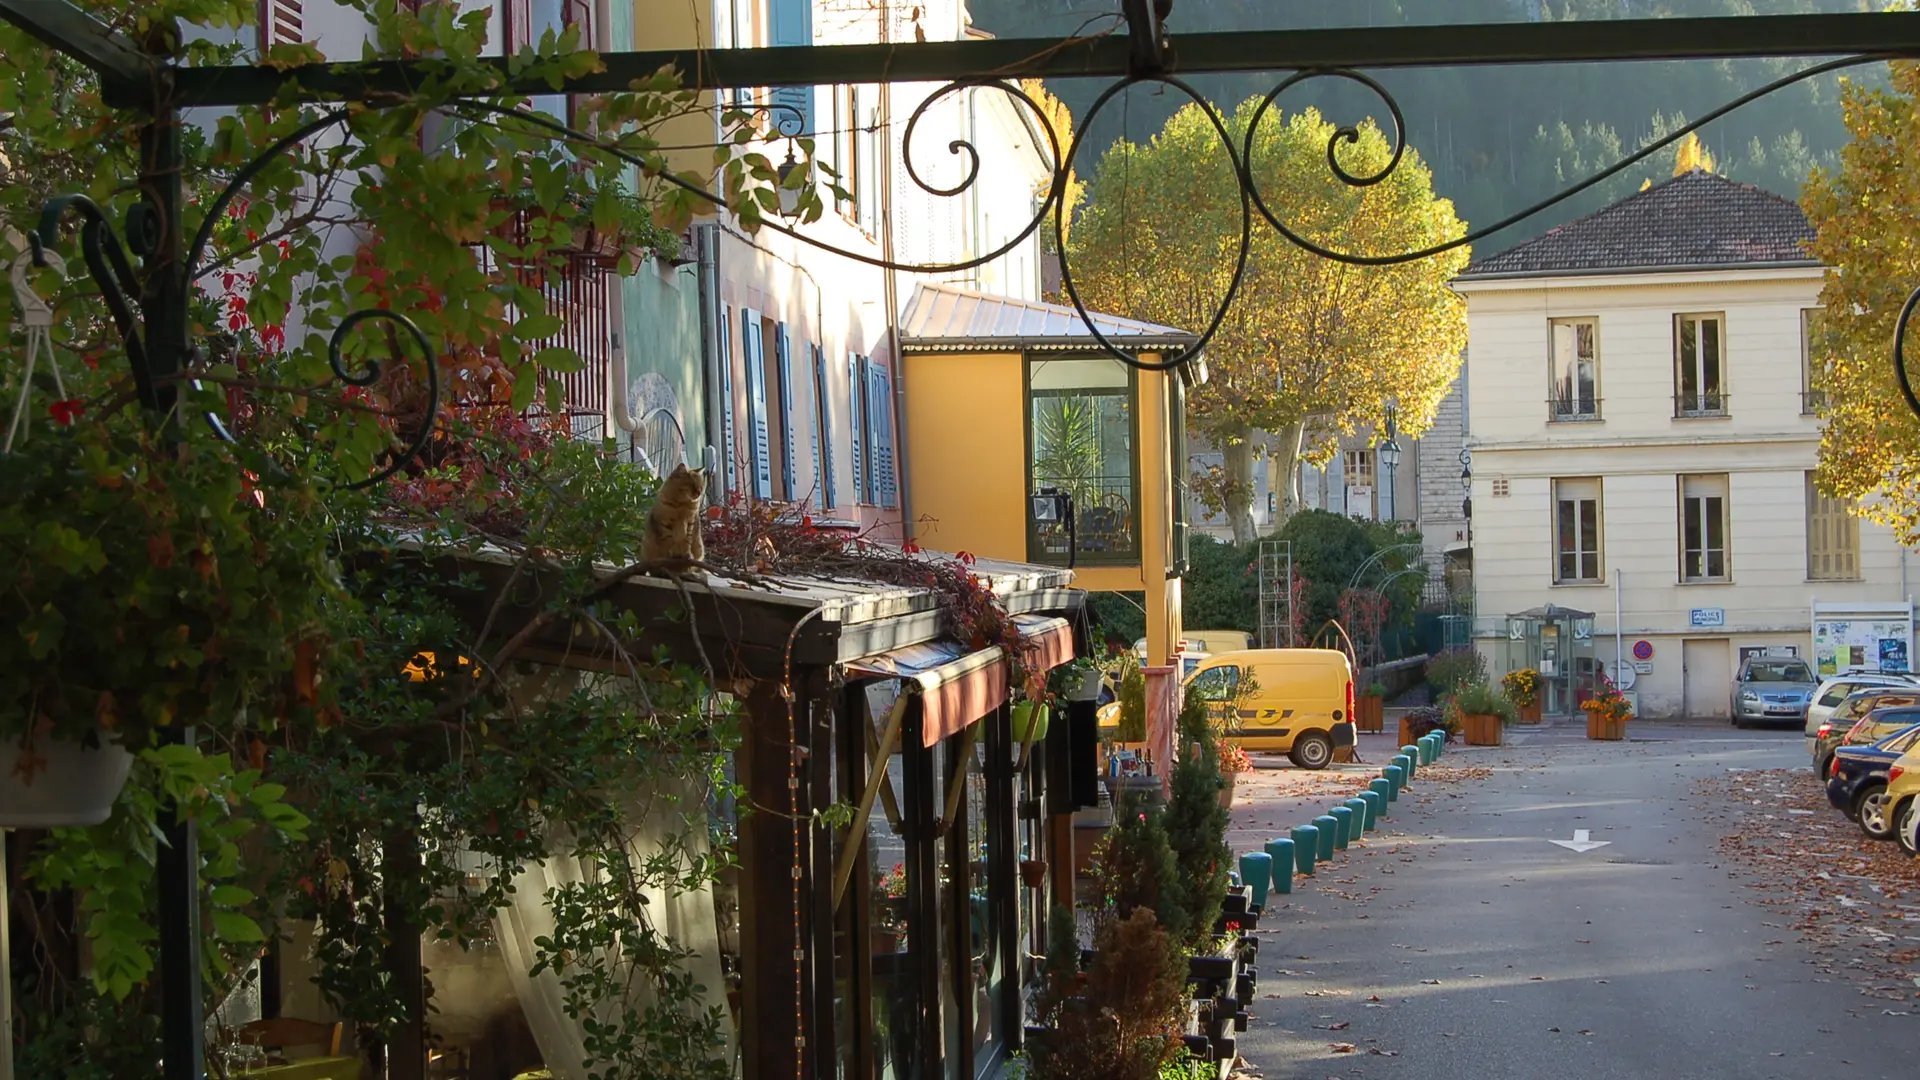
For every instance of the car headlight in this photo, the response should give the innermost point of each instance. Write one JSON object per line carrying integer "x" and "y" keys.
{"x": 1748, "y": 697}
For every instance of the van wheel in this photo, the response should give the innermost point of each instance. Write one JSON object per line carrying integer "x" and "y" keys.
{"x": 1312, "y": 751}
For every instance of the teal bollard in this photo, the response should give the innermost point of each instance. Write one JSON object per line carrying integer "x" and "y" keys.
{"x": 1256, "y": 869}
{"x": 1349, "y": 830}
{"x": 1405, "y": 761}
{"x": 1329, "y": 827}
{"x": 1413, "y": 759}
{"x": 1362, "y": 815}
{"x": 1376, "y": 806}
{"x": 1306, "y": 845}
{"x": 1382, "y": 787}
{"x": 1281, "y": 851}
{"x": 1426, "y": 750}
{"x": 1396, "y": 775}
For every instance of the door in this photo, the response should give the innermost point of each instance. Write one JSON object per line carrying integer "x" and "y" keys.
{"x": 1707, "y": 668}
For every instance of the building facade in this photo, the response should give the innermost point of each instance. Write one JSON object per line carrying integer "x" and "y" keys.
{"x": 1644, "y": 431}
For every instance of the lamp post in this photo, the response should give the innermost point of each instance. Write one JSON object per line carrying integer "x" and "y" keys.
{"x": 1389, "y": 452}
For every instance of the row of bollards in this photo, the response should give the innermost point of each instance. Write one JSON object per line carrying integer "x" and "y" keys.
{"x": 1341, "y": 825}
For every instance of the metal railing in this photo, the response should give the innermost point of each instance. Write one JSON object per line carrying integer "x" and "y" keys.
{"x": 1689, "y": 405}
{"x": 1105, "y": 523}
{"x": 1573, "y": 410}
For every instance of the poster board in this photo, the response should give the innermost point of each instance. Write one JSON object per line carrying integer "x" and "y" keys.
{"x": 1862, "y": 640}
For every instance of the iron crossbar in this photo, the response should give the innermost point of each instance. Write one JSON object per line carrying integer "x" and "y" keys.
{"x": 128, "y": 74}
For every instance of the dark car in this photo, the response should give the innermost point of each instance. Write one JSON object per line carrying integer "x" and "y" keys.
{"x": 1890, "y": 704}
{"x": 1857, "y": 779}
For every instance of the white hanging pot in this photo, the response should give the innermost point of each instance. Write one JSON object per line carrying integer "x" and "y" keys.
{"x": 1088, "y": 687}
{"x": 73, "y": 785}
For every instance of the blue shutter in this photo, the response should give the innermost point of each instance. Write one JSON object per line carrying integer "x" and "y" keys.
{"x": 792, "y": 24}
{"x": 783, "y": 358}
{"x": 823, "y": 428}
{"x": 725, "y": 348}
{"x": 856, "y": 423}
{"x": 880, "y": 437}
{"x": 755, "y": 351}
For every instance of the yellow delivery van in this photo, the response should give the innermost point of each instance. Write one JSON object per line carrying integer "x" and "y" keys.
{"x": 1282, "y": 700}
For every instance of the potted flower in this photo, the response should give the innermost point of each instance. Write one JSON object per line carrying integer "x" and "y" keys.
{"x": 1078, "y": 679}
{"x": 1607, "y": 713}
{"x": 1484, "y": 711}
{"x": 890, "y": 910}
{"x": 1369, "y": 712}
{"x": 1523, "y": 689}
{"x": 1233, "y": 762}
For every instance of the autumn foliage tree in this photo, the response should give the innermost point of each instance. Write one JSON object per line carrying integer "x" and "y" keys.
{"x": 1311, "y": 348}
{"x": 1865, "y": 214}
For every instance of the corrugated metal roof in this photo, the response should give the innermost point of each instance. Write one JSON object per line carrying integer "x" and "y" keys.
{"x": 945, "y": 318}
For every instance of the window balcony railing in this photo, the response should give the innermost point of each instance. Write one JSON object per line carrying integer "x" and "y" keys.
{"x": 1690, "y": 405}
{"x": 1573, "y": 410}
{"x": 1812, "y": 401}
{"x": 1105, "y": 525}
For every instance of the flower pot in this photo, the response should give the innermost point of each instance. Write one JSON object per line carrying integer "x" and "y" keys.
{"x": 1030, "y": 721}
{"x": 1530, "y": 712}
{"x": 1033, "y": 873}
{"x": 1481, "y": 729}
{"x": 1369, "y": 713}
{"x": 1604, "y": 728}
{"x": 1087, "y": 689}
{"x": 1226, "y": 792}
{"x": 74, "y": 785}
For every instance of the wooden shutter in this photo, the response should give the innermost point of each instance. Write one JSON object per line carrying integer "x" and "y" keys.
{"x": 792, "y": 25}
{"x": 823, "y": 428}
{"x": 880, "y": 436}
{"x": 754, "y": 349}
{"x": 282, "y": 22}
{"x": 856, "y": 424}
{"x": 724, "y": 345}
{"x": 783, "y": 358}
{"x": 518, "y": 17}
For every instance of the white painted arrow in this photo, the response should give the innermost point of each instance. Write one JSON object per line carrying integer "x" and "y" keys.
{"x": 1582, "y": 841}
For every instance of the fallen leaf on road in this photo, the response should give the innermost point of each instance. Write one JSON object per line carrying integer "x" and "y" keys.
{"x": 1342, "y": 1048}
{"x": 1377, "y": 1052}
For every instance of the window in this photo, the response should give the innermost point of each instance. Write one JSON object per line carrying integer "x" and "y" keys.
{"x": 1358, "y": 468}
{"x": 1576, "y": 525}
{"x": 1215, "y": 685}
{"x": 1811, "y": 396}
{"x": 1833, "y": 537}
{"x": 880, "y": 464}
{"x": 1080, "y": 440}
{"x": 863, "y": 164}
{"x": 1575, "y": 371}
{"x": 1700, "y": 365}
{"x": 1703, "y": 528}
{"x": 823, "y": 430}
{"x": 781, "y": 378}
{"x": 753, "y": 345}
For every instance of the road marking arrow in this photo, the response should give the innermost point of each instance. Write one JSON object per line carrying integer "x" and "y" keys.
{"x": 1582, "y": 841}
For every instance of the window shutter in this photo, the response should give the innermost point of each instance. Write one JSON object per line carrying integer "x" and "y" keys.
{"x": 281, "y": 23}
{"x": 783, "y": 357}
{"x": 856, "y": 424}
{"x": 724, "y": 345}
{"x": 823, "y": 428}
{"x": 792, "y": 24}
{"x": 518, "y": 15}
{"x": 754, "y": 348}
{"x": 880, "y": 412}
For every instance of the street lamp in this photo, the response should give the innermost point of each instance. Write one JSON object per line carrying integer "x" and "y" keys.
{"x": 1389, "y": 459}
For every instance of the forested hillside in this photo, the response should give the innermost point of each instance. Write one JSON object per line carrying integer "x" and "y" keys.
{"x": 1498, "y": 139}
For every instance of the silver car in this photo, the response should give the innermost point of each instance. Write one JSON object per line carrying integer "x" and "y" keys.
{"x": 1772, "y": 689}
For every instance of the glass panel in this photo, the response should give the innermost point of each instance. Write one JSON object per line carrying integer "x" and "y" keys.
{"x": 1590, "y": 540}
{"x": 1710, "y": 360}
{"x": 1715, "y": 514}
{"x": 1083, "y": 444}
{"x": 1078, "y": 373}
{"x": 1691, "y": 539}
{"x": 987, "y": 964}
{"x": 1689, "y": 364}
{"x": 1214, "y": 684}
{"x": 895, "y": 998}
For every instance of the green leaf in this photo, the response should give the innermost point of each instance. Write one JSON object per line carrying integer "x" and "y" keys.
{"x": 231, "y": 895}
{"x": 237, "y": 928}
{"x": 559, "y": 358}
{"x": 536, "y": 327}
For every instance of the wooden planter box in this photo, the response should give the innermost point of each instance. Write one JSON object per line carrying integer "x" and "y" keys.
{"x": 1530, "y": 714}
{"x": 1481, "y": 729}
{"x": 1605, "y": 730}
{"x": 1406, "y": 732}
{"x": 1369, "y": 713}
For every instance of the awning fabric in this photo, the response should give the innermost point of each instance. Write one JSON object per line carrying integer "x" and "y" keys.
{"x": 958, "y": 687}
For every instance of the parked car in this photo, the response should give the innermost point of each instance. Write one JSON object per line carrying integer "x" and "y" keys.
{"x": 1902, "y": 800}
{"x": 1771, "y": 689}
{"x": 1847, "y": 727}
{"x": 1286, "y": 700}
{"x": 1837, "y": 688}
{"x": 1857, "y": 779}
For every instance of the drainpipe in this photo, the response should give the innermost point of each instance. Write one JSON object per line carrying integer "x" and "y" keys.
{"x": 1619, "y": 634}
{"x": 892, "y": 297}
{"x": 706, "y": 240}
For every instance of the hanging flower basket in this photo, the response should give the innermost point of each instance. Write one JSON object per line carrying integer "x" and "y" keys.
{"x": 70, "y": 784}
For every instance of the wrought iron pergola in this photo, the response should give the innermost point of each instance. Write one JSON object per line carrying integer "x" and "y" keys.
{"x": 149, "y": 305}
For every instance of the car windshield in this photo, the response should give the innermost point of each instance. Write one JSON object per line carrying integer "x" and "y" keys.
{"x": 1779, "y": 671}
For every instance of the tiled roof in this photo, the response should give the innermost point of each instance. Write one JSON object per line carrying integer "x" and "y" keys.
{"x": 944, "y": 318}
{"x": 1697, "y": 220}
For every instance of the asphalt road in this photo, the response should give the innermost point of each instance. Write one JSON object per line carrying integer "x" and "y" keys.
{"x": 1495, "y": 953}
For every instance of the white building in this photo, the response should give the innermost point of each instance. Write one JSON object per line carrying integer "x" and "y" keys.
{"x": 1643, "y": 439}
